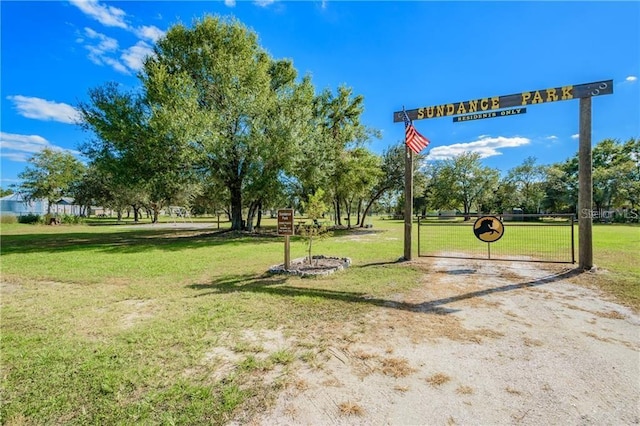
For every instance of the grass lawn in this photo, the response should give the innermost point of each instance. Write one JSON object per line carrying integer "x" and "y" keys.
{"x": 122, "y": 325}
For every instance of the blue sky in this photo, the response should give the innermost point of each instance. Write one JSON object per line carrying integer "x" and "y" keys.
{"x": 412, "y": 54}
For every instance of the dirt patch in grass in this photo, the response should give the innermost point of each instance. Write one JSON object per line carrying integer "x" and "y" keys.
{"x": 136, "y": 311}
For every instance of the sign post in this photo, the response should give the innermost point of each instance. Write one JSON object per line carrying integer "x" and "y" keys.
{"x": 285, "y": 227}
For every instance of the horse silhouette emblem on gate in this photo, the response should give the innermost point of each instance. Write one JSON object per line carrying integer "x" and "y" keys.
{"x": 488, "y": 229}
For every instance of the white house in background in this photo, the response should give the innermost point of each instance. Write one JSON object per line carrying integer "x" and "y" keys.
{"x": 15, "y": 205}
{"x": 65, "y": 206}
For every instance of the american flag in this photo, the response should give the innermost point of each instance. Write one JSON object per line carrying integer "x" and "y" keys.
{"x": 414, "y": 140}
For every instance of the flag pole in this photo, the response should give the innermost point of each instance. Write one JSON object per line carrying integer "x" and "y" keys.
{"x": 408, "y": 198}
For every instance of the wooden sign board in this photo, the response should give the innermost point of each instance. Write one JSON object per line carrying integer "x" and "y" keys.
{"x": 285, "y": 222}
{"x": 490, "y": 114}
{"x": 494, "y": 103}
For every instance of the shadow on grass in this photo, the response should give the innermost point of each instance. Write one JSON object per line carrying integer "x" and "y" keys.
{"x": 129, "y": 241}
{"x": 272, "y": 285}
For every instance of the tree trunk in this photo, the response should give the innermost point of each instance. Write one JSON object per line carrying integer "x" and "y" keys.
{"x": 338, "y": 214}
{"x": 155, "y": 209}
{"x": 373, "y": 200}
{"x": 236, "y": 206}
{"x": 251, "y": 215}
{"x": 259, "y": 221}
{"x": 347, "y": 207}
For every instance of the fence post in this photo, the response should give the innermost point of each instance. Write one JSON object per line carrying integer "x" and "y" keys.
{"x": 418, "y": 236}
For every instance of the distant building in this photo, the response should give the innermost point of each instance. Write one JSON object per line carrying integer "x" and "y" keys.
{"x": 65, "y": 206}
{"x": 16, "y": 205}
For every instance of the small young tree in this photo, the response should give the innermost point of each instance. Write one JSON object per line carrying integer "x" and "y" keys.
{"x": 314, "y": 210}
{"x": 50, "y": 175}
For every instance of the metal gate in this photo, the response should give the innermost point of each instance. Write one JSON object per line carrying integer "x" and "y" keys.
{"x": 526, "y": 237}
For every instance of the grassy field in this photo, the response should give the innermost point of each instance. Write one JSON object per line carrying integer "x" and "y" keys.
{"x": 136, "y": 324}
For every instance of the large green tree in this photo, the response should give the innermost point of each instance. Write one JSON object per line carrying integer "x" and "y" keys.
{"x": 615, "y": 174}
{"x": 526, "y": 185}
{"x": 244, "y": 113}
{"x": 561, "y": 186}
{"x": 49, "y": 175}
{"x": 140, "y": 145}
{"x": 339, "y": 132}
{"x": 461, "y": 182}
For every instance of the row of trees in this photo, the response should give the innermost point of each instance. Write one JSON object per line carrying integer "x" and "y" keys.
{"x": 376, "y": 182}
{"x": 219, "y": 125}
{"x": 464, "y": 183}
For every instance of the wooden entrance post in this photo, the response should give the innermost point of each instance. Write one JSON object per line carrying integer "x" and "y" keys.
{"x": 408, "y": 200}
{"x": 585, "y": 189}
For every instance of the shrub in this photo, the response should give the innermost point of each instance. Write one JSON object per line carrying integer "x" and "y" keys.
{"x": 70, "y": 219}
{"x": 29, "y": 218}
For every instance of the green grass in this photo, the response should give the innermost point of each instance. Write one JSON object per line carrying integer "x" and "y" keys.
{"x": 616, "y": 248}
{"x": 124, "y": 325}
{"x": 115, "y": 325}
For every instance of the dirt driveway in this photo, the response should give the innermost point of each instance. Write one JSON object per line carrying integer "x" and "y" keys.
{"x": 480, "y": 343}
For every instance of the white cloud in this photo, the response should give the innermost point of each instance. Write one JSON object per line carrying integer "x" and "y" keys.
{"x": 486, "y": 146}
{"x": 116, "y": 65}
{"x": 576, "y": 136}
{"x": 20, "y": 148}
{"x": 149, "y": 32}
{"x": 42, "y": 109}
{"x": 551, "y": 138}
{"x": 631, "y": 78}
{"x": 264, "y": 3}
{"x": 230, "y": 3}
{"x": 107, "y": 15}
{"x": 10, "y": 180}
{"x": 106, "y": 50}
{"x": 98, "y": 53}
{"x": 134, "y": 56}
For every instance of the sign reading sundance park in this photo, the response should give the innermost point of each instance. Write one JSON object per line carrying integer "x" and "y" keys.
{"x": 494, "y": 103}
{"x": 488, "y": 229}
